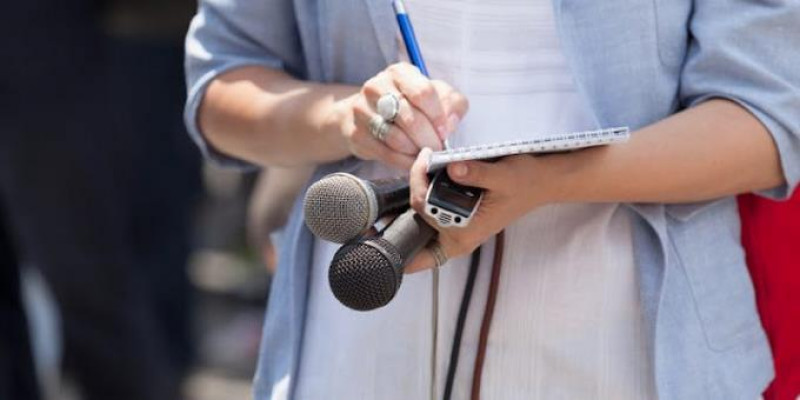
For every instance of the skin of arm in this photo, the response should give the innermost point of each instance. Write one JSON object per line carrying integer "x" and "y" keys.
{"x": 712, "y": 150}
{"x": 269, "y": 118}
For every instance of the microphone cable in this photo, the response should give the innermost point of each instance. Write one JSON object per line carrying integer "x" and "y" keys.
{"x": 434, "y": 328}
{"x": 491, "y": 299}
{"x": 455, "y": 350}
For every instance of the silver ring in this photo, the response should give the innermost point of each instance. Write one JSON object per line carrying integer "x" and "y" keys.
{"x": 388, "y": 106}
{"x": 379, "y": 127}
{"x": 439, "y": 256}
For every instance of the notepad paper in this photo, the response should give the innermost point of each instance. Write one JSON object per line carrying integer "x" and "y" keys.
{"x": 542, "y": 144}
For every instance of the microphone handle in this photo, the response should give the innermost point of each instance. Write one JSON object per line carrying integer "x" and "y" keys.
{"x": 392, "y": 194}
{"x": 409, "y": 233}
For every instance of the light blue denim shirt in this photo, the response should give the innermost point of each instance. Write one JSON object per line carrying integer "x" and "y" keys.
{"x": 636, "y": 61}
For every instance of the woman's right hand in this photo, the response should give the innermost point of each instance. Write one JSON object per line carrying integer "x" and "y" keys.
{"x": 429, "y": 111}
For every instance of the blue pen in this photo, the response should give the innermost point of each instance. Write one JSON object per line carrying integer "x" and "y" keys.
{"x": 410, "y": 40}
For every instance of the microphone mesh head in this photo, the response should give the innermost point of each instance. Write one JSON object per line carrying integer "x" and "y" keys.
{"x": 363, "y": 277}
{"x": 337, "y": 208}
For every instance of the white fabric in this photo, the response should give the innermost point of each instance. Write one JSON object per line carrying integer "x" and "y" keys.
{"x": 567, "y": 323}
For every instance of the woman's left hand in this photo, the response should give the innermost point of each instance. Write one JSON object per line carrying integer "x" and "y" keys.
{"x": 512, "y": 187}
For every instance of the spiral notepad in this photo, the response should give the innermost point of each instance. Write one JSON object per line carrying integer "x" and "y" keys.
{"x": 545, "y": 144}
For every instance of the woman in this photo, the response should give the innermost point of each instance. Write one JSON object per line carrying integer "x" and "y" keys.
{"x": 623, "y": 276}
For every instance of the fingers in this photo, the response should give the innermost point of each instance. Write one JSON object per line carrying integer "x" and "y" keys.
{"x": 428, "y": 112}
{"x": 395, "y": 139}
{"x": 479, "y": 174}
{"x": 418, "y": 181}
{"x": 366, "y": 147}
{"x": 420, "y": 91}
{"x": 418, "y": 184}
{"x": 455, "y": 102}
{"x": 393, "y": 158}
{"x": 415, "y": 129}
{"x": 414, "y": 121}
{"x": 417, "y": 126}
{"x": 456, "y": 106}
{"x": 422, "y": 261}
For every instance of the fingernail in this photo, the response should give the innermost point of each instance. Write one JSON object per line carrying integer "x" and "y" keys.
{"x": 453, "y": 121}
{"x": 459, "y": 170}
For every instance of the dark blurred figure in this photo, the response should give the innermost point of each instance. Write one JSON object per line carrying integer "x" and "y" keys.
{"x": 145, "y": 42}
{"x": 17, "y": 373}
{"x": 98, "y": 181}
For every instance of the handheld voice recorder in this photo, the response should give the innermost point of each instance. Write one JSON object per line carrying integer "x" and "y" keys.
{"x": 449, "y": 203}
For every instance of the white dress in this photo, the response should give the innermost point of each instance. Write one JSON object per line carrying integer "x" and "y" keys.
{"x": 567, "y": 322}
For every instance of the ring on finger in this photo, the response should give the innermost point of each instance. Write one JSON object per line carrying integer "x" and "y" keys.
{"x": 379, "y": 127}
{"x": 389, "y": 106}
{"x": 439, "y": 255}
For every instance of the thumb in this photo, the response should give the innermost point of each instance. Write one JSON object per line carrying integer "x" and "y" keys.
{"x": 474, "y": 173}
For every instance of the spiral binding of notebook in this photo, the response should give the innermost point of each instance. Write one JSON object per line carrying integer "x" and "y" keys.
{"x": 544, "y": 144}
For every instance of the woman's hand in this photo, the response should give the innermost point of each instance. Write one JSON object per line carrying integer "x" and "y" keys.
{"x": 429, "y": 111}
{"x": 512, "y": 187}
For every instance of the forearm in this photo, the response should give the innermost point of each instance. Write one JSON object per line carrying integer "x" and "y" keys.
{"x": 712, "y": 150}
{"x": 269, "y": 118}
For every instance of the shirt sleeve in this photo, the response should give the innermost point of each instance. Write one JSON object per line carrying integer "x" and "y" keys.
{"x": 228, "y": 34}
{"x": 747, "y": 51}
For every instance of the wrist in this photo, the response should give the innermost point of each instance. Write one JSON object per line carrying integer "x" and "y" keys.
{"x": 331, "y": 123}
{"x": 336, "y": 119}
{"x": 567, "y": 177}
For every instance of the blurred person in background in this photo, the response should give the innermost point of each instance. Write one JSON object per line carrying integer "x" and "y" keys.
{"x": 162, "y": 169}
{"x": 54, "y": 169}
{"x": 98, "y": 183}
{"x": 17, "y": 373}
{"x": 270, "y": 204}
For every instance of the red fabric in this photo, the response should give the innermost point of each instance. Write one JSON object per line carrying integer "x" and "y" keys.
{"x": 771, "y": 237}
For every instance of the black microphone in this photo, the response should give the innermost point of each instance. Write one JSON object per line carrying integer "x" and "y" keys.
{"x": 366, "y": 273}
{"x": 340, "y": 207}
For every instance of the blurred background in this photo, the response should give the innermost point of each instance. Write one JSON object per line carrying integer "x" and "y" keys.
{"x": 129, "y": 269}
